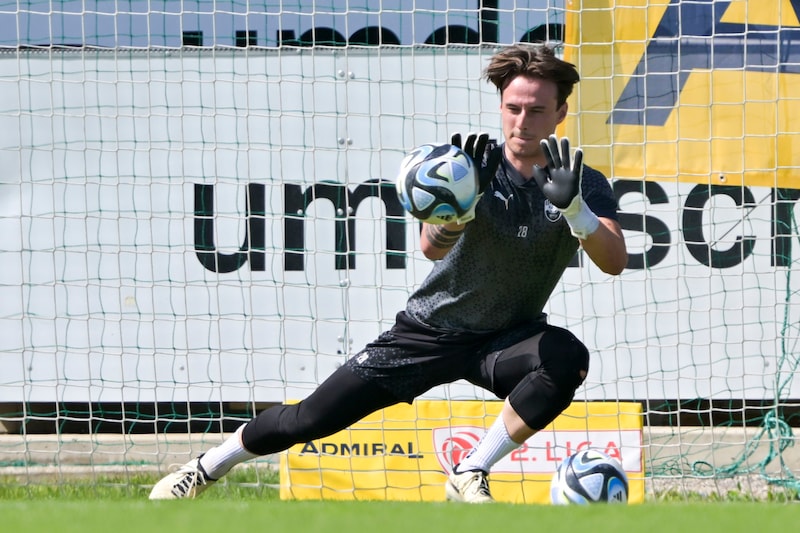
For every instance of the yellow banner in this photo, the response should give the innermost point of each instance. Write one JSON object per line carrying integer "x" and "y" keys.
{"x": 406, "y": 451}
{"x": 703, "y": 91}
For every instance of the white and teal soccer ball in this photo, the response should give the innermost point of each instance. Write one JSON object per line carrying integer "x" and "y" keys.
{"x": 437, "y": 183}
{"x": 589, "y": 476}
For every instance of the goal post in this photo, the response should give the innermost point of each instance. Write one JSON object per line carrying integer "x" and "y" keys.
{"x": 198, "y": 216}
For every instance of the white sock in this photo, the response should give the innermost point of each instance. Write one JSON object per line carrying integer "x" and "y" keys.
{"x": 219, "y": 460}
{"x": 494, "y": 445}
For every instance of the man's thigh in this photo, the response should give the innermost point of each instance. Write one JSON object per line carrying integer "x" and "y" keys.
{"x": 501, "y": 370}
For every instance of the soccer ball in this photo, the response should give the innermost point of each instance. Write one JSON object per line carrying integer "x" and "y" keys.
{"x": 589, "y": 476}
{"x": 437, "y": 183}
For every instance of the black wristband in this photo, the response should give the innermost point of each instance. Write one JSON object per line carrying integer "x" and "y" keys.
{"x": 441, "y": 237}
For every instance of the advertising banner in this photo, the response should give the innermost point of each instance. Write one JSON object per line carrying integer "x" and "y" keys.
{"x": 702, "y": 91}
{"x": 405, "y": 452}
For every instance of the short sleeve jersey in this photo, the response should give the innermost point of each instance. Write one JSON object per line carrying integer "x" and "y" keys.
{"x": 508, "y": 261}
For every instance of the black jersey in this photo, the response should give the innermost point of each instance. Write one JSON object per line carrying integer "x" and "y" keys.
{"x": 506, "y": 264}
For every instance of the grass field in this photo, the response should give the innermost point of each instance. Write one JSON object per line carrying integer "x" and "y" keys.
{"x": 140, "y": 515}
{"x": 121, "y": 505}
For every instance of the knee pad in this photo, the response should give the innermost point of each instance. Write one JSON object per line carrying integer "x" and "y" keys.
{"x": 564, "y": 358}
{"x": 549, "y": 389}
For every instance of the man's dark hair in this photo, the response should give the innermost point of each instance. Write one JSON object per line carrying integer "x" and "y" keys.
{"x": 532, "y": 61}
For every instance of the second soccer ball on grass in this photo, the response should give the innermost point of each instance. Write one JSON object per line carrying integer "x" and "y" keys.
{"x": 589, "y": 476}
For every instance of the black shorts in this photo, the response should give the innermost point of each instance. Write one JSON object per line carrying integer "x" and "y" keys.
{"x": 411, "y": 358}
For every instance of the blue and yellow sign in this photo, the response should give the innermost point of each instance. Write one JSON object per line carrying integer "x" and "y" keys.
{"x": 706, "y": 91}
{"x": 405, "y": 452}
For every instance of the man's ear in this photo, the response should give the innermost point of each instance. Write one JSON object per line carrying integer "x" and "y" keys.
{"x": 562, "y": 113}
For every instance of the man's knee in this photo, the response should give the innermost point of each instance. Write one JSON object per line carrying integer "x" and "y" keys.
{"x": 564, "y": 358}
{"x": 549, "y": 389}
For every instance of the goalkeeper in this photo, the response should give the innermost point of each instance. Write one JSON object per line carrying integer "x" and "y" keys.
{"x": 479, "y": 315}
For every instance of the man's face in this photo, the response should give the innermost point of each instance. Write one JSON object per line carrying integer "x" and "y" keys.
{"x": 529, "y": 112}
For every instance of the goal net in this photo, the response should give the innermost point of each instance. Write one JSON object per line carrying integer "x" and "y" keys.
{"x": 199, "y": 219}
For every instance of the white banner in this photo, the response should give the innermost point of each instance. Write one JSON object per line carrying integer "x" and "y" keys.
{"x": 212, "y": 227}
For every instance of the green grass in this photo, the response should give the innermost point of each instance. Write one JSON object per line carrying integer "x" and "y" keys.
{"x": 140, "y": 515}
{"x": 121, "y": 505}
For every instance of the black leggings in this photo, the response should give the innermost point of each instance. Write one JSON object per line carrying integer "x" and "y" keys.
{"x": 340, "y": 401}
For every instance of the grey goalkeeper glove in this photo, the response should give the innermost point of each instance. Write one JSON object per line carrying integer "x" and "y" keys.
{"x": 486, "y": 157}
{"x": 560, "y": 181}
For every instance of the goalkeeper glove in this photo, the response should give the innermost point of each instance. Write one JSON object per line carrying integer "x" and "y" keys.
{"x": 560, "y": 181}
{"x": 486, "y": 157}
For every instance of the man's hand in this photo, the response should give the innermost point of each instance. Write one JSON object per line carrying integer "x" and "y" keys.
{"x": 486, "y": 158}
{"x": 560, "y": 179}
{"x": 560, "y": 182}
